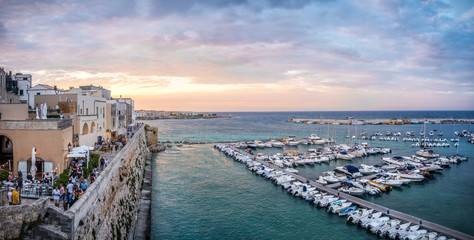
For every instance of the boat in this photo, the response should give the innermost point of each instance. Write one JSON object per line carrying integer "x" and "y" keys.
{"x": 355, "y": 216}
{"x": 344, "y": 156}
{"x": 411, "y": 175}
{"x": 277, "y": 144}
{"x": 392, "y": 233}
{"x": 321, "y": 180}
{"x": 368, "y": 169}
{"x": 367, "y": 219}
{"x": 352, "y": 191}
{"x": 427, "y": 152}
{"x": 335, "y": 208}
{"x": 346, "y": 211}
{"x": 382, "y": 230}
{"x": 252, "y": 144}
{"x": 330, "y": 178}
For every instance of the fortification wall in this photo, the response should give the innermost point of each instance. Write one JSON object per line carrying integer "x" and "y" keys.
{"x": 14, "y": 218}
{"x": 108, "y": 209}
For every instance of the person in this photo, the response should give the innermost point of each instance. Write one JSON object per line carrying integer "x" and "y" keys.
{"x": 102, "y": 163}
{"x": 10, "y": 177}
{"x": 70, "y": 187}
{"x": 10, "y": 196}
{"x": 15, "y": 197}
{"x": 92, "y": 177}
{"x": 62, "y": 194}
{"x": 56, "y": 176}
{"x": 56, "y": 194}
{"x": 84, "y": 186}
{"x": 29, "y": 177}
{"x": 106, "y": 163}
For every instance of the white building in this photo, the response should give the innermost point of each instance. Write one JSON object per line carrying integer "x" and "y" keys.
{"x": 24, "y": 83}
{"x": 41, "y": 89}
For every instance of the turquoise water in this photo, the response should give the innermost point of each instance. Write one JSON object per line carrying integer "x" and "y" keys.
{"x": 199, "y": 193}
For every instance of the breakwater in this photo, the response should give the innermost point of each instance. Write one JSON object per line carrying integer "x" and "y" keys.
{"x": 256, "y": 164}
{"x": 394, "y": 121}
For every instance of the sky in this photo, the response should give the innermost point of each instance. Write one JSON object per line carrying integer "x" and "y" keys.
{"x": 249, "y": 55}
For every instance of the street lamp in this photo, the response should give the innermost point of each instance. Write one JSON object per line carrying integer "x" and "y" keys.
{"x": 69, "y": 147}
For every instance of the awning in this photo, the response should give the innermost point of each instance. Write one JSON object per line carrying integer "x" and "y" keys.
{"x": 76, "y": 154}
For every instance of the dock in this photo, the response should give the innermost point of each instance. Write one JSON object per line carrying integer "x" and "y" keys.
{"x": 386, "y": 121}
{"x": 366, "y": 204}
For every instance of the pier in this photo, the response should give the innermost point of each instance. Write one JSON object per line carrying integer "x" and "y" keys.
{"x": 386, "y": 121}
{"x": 366, "y": 204}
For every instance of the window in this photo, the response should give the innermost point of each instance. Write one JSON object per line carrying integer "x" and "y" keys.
{"x": 38, "y": 93}
{"x": 97, "y": 111}
{"x": 25, "y": 78}
{"x": 21, "y": 92}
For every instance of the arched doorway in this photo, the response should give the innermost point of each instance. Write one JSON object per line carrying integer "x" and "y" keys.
{"x": 92, "y": 127}
{"x": 85, "y": 129}
{"x": 39, "y": 163}
{"x": 6, "y": 153}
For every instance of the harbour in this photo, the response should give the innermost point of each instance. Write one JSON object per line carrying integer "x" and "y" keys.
{"x": 236, "y": 153}
{"x": 442, "y": 201}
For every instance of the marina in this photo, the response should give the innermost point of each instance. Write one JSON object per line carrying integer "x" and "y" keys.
{"x": 247, "y": 158}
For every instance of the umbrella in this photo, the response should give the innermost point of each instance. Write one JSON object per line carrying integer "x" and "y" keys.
{"x": 44, "y": 111}
{"x": 33, "y": 162}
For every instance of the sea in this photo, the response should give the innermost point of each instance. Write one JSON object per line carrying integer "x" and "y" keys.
{"x": 200, "y": 193}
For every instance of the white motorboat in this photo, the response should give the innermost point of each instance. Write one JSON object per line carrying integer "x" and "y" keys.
{"x": 368, "y": 169}
{"x": 428, "y": 153}
{"x": 369, "y": 218}
{"x": 382, "y": 230}
{"x": 321, "y": 180}
{"x": 260, "y": 144}
{"x": 412, "y": 176}
{"x": 375, "y": 224}
{"x": 278, "y": 144}
{"x": 416, "y": 235}
{"x": 251, "y": 144}
{"x": 326, "y": 202}
{"x": 291, "y": 170}
{"x": 345, "y": 156}
{"x": 392, "y": 233}
{"x": 389, "y": 181}
{"x": 355, "y": 216}
{"x": 339, "y": 206}
{"x": 408, "y": 231}
{"x": 329, "y": 177}
{"x": 352, "y": 191}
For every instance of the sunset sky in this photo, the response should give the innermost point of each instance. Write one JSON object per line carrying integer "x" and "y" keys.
{"x": 254, "y": 55}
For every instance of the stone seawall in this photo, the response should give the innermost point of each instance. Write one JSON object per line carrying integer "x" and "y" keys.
{"x": 14, "y": 218}
{"x": 108, "y": 209}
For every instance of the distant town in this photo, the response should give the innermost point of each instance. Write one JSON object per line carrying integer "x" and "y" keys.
{"x": 152, "y": 115}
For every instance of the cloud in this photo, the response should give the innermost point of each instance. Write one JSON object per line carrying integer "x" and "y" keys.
{"x": 170, "y": 47}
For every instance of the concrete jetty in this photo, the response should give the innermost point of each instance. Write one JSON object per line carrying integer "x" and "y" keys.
{"x": 366, "y": 204}
{"x": 395, "y": 121}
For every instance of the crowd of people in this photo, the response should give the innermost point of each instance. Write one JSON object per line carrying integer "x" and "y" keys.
{"x": 67, "y": 194}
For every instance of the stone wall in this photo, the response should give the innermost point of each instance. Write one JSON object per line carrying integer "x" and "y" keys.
{"x": 108, "y": 209}
{"x": 14, "y": 218}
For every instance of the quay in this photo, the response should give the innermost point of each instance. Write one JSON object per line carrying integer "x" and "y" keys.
{"x": 386, "y": 121}
{"x": 366, "y": 204}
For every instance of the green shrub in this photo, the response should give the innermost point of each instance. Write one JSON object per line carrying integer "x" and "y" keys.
{"x": 63, "y": 178}
{"x": 3, "y": 175}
